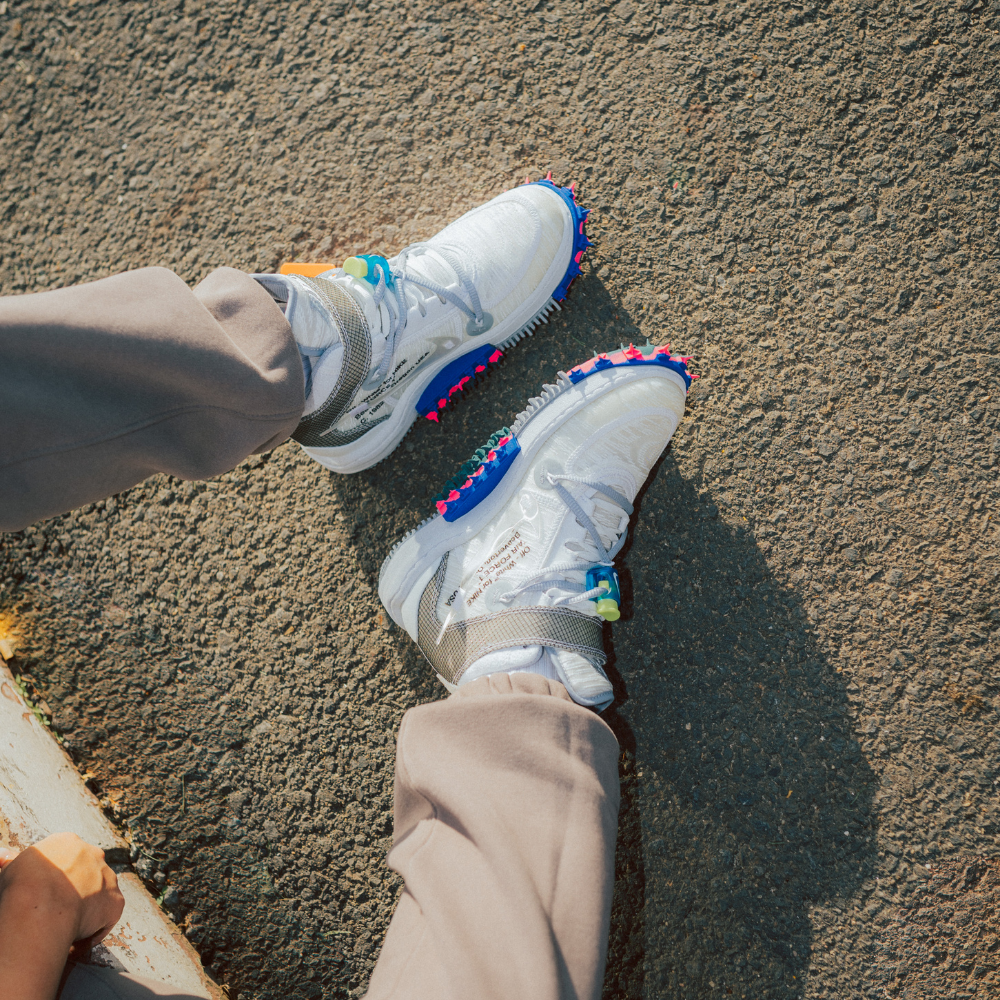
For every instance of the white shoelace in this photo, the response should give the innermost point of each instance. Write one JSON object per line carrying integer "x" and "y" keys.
{"x": 397, "y": 316}
{"x": 577, "y": 592}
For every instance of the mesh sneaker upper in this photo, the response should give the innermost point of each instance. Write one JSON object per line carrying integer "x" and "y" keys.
{"x": 506, "y": 243}
{"x": 517, "y": 571}
{"x": 615, "y": 439}
{"x": 507, "y": 249}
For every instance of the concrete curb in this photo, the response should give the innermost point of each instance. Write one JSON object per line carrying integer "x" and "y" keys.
{"x": 41, "y": 793}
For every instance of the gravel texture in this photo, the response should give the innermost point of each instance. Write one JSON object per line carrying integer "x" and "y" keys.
{"x": 801, "y": 195}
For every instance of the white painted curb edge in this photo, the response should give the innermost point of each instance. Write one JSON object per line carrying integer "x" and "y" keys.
{"x": 41, "y": 793}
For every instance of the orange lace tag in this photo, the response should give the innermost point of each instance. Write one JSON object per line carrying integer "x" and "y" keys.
{"x": 306, "y": 270}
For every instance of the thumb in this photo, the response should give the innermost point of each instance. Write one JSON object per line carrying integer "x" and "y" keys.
{"x": 7, "y": 855}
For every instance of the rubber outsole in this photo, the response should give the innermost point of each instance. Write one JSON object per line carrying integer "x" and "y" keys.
{"x": 479, "y": 476}
{"x": 454, "y": 377}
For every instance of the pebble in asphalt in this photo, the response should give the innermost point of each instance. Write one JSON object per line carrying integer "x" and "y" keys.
{"x": 801, "y": 195}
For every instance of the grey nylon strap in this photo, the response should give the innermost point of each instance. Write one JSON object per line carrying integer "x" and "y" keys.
{"x": 317, "y": 429}
{"x": 462, "y": 643}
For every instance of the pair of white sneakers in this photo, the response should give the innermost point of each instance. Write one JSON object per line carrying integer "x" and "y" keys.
{"x": 515, "y": 570}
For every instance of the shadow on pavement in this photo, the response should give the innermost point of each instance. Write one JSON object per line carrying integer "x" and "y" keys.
{"x": 746, "y": 799}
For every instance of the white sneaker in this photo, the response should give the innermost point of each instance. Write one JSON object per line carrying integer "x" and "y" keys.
{"x": 385, "y": 341}
{"x": 515, "y": 571}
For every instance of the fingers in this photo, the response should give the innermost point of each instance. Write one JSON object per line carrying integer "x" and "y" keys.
{"x": 77, "y": 869}
{"x": 103, "y": 906}
{"x": 112, "y": 906}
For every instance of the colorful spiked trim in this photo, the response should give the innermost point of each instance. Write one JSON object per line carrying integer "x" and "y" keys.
{"x": 454, "y": 377}
{"x": 632, "y": 355}
{"x": 580, "y": 241}
{"x": 478, "y": 477}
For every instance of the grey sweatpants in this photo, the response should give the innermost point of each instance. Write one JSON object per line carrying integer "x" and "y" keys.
{"x": 104, "y": 384}
{"x": 506, "y": 797}
{"x": 506, "y": 807}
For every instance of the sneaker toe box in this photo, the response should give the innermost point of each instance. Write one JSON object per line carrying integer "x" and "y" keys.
{"x": 512, "y": 243}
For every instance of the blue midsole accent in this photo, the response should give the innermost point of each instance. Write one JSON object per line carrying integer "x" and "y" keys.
{"x": 441, "y": 385}
{"x": 580, "y": 241}
{"x": 485, "y": 483}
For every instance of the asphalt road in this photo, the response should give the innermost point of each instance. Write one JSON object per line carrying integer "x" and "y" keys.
{"x": 801, "y": 195}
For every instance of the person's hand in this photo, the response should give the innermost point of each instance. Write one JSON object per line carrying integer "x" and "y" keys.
{"x": 69, "y": 877}
{"x": 52, "y": 894}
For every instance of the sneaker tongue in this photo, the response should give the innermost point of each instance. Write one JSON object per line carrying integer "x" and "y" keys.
{"x": 606, "y": 519}
{"x": 586, "y": 682}
{"x": 421, "y": 264}
{"x": 377, "y": 317}
{"x": 603, "y": 515}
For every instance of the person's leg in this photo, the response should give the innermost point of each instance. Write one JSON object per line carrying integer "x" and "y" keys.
{"x": 90, "y": 982}
{"x": 506, "y": 807}
{"x": 507, "y": 793}
{"x": 106, "y": 383}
